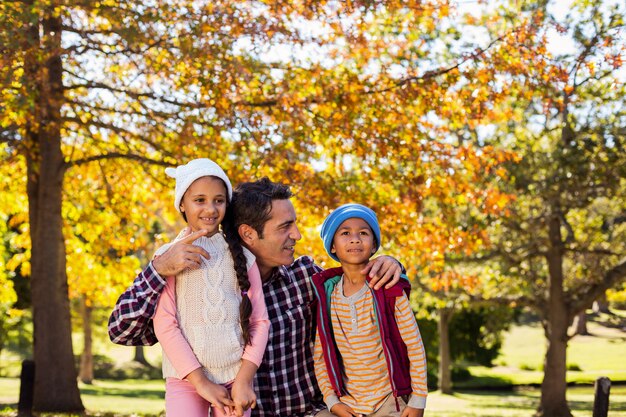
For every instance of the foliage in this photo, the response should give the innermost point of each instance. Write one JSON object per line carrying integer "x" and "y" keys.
{"x": 476, "y": 333}
{"x": 383, "y": 103}
{"x": 562, "y": 245}
{"x": 107, "y": 368}
{"x": 617, "y": 297}
{"x": 428, "y": 331}
{"x": 570, "y": 146}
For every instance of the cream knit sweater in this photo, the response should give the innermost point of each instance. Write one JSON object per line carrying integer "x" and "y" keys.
{"x": 207, "y": 310}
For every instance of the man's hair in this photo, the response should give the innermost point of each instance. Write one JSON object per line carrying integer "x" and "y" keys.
{"x": 252, "y": 202}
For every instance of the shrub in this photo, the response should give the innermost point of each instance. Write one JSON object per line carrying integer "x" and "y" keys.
{"x": 573, "y": 367}
{"x": 105, "y": 368}
{"x": 460, "y": 373}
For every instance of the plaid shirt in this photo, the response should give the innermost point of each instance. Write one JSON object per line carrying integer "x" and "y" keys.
{"x": 285, "y": 382}
{"x": 130, "y": 322}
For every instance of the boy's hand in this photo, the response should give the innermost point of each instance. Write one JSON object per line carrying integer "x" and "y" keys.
{"x": 342, "y": 410}
{"x": 412, "y": 412}
{"x": 384, "y": 270}
{"x": 181, "y": 255}
{"x": 243, "y": 396}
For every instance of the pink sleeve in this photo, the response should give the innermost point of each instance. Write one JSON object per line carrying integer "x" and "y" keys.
{"x": 259, "y": 322}
{"x": 174, "y": 344}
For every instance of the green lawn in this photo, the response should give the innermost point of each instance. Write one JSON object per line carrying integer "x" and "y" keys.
{"x": 144, "y": 398}
{"x": 130, "y": 397}
{"x": 521, "y": 361}
{"x": 601, "y": 354}
{"x": 518, "y": 403}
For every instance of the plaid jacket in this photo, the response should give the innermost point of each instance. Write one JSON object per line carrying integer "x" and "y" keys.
{"x": 285, "y": 382}
{"x": 130, "y": 322}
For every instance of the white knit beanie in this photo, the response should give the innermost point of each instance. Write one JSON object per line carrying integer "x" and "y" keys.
{"x": 185, "y": 175}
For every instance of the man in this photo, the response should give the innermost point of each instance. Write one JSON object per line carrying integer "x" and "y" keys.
{"x": 266, "y": 222}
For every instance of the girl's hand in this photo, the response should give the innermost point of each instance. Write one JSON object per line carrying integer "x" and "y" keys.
{"x": 214, "y": 393}
{"x": 412, "y": 412}
{"x": 243, "y": 396}
{"x": 342, "y": 410}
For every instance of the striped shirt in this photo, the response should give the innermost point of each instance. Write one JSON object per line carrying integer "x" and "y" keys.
{"x": 358, "y": 340}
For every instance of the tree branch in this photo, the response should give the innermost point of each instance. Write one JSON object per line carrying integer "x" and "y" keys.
{"x": 426, "y": 76}
{"x": 122, "y": 132}
{"x": 612, "y": 277}
{"x": 134, "y": 94}
{"x": 116, "y": 155}
{"x": 604, "y": 252}
{"x": 86, "y": 32}
{"x": 436, "y": 73}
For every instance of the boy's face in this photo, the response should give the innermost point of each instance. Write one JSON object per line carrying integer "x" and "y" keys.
{"x": 354, "y": 242}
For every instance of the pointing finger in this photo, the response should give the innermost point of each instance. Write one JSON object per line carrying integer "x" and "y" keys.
{"x": 197, "y": 249}
{"x": 190, "y": 238}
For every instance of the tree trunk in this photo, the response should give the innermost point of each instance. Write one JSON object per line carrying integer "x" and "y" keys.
{"x": 581, "y": 324}
{"x": 554, "y": 386}
{"x": 140, "y": 356}
{"x": 56, "y": 387}
{"x": 601, "y": 305}
{"x": 86, "y": 359}
{"x": 445, "y": 373}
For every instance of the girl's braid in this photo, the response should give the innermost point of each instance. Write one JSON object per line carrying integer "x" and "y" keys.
{"x": 239, "y": 259}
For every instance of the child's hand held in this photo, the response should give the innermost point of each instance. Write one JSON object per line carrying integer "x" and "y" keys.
{"x": 215, "y": 394}
{"x": 243, "y": 397}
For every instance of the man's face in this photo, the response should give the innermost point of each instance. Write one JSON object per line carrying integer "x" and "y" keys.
{"x": 280, "y": 234}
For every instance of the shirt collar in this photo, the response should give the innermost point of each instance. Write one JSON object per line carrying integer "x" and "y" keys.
{"x": 280, "y": 273}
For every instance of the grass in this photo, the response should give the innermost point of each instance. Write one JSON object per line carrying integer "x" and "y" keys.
{"x": 517, "y": 403}
{"x": 127, "y": 398}
{"x": 588, "y": 357}
{"x": 520, "y": 363}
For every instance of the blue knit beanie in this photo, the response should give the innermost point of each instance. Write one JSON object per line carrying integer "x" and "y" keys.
{"x": 343, "y": 213}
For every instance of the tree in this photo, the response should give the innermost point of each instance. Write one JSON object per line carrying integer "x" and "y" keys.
{"x": 339, "y": 100}
{"x": 556, "y": 245}
{"x": 60, "y": 116}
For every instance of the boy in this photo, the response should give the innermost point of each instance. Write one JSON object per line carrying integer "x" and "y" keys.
{"x": 368, "y": 351}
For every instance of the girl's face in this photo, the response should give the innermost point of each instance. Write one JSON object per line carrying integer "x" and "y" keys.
{"x": 204, "y": 204}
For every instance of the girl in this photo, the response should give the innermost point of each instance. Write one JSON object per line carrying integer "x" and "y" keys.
{"x": 211, "y": 319}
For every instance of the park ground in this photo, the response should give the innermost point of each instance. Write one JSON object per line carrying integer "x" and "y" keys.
{"x": 509, "y": 389}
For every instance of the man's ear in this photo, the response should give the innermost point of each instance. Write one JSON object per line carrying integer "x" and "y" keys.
{"x": 247, "y": 234}
{"x": 332, "y": 249}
